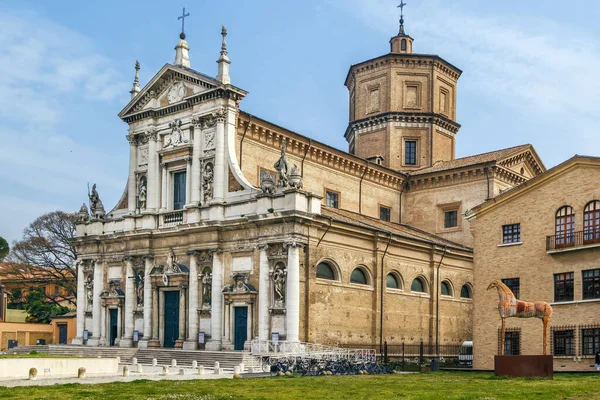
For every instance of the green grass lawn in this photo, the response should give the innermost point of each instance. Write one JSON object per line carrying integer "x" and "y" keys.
{"x": 439, "y": 386}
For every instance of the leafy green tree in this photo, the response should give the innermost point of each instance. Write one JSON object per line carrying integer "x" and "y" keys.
{"x": 15, "y": 299}
{"x": 3, "y": 248}
{"x": 39, "y": 309}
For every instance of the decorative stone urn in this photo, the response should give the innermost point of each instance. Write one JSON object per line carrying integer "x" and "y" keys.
{"x": 295, "y": 179}
{"x": 267, "y": 182}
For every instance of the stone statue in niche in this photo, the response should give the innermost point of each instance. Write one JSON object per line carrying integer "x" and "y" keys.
{"x": 207, "y": 182}
{"x": 282, "y": 166}
{"x": 96, "y": 206}
{"x": 267, "y": 182}
{"x": 89, "y": 291}
{"x": 139, "y": 288}
{"x": 206, "y": 288}
{"x": 142, "y": 193}
{"x": 176, "y": 136}
{"x": 279, "y": 278}
{"x": 172, "y": 266}
{"x": 295, "y": 178}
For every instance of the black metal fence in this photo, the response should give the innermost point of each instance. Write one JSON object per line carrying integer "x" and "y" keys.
{"x": 573, "y": 239}
{"x": 418, "y": 353}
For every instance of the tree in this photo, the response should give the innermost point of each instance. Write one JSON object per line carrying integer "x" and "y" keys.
{"x": 46, "y": 254}
{"x": 38, "y": 309}
{"x": 3, "y": 248}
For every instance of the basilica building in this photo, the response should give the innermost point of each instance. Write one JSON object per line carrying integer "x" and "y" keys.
{"x": 233, "y": 229}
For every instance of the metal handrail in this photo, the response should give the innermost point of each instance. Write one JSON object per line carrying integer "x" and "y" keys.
{"x": 282, "y": 348}
{"x": 571, "y": 239}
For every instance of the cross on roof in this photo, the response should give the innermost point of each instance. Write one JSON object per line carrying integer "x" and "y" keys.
{"x": 182, "y": 18}
{"x": 401, "y": 7}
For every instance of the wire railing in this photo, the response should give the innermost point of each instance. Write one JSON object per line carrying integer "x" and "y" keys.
{"x": 571, "y": 239}
{"x": 275, "y": 349}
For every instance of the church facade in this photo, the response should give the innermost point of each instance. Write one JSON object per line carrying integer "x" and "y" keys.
{"x": 233, "y": 229}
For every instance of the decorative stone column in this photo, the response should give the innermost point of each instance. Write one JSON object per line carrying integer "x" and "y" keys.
{"x": 181, "y": 338}
{"x": 96, "y": 303}
{"x": 192, "y": 338}
{"x": 149, "y": 264}
{"x": 263, "y": 294}
{"x": 155, "y": 342}
{"x": 80, "y": 303}
{"x": 220, "y": 175}
{"x": 292, "y": 295}
{"x": 152, "y": 187}
{"x": 216, "y": 313}
{"x": 103, "y": 326}
{"x": 195, "y": 189}
{"x": 130, "y": 300}
{"x": 188, "y": 181}
{"x": 131, "y": 184}
{"x": 163, "y": 190}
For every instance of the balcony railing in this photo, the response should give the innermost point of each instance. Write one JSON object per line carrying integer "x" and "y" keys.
{"x": 573, "y": 239}
{"x": 173, "y": 218}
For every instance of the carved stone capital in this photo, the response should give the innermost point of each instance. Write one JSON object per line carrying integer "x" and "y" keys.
{"x": 152, "y": 134}
{"x": 263, "y": 246}
{"x": 293, "y": 244}
{"x": 132, "y": 139}
{"x": 215, "y": 251}
{"x": 221, "y": 115}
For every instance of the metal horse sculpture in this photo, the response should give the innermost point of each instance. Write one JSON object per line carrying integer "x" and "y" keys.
{"x": 509, "y": 306}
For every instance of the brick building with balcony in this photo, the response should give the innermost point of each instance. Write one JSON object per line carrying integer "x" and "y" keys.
{"x": 542, "y": 239}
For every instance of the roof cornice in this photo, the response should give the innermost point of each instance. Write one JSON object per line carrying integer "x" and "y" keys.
{"x": 407, "y": 58}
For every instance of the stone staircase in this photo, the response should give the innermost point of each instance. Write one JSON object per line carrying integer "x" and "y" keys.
{"x": 227, "y": 359}
{"x": 125, "y": 354}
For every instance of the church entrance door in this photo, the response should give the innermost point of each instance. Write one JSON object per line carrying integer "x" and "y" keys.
{"x": 171, "y": 322}
{"x": 113, "y": 317}
{"x": 241, "y": 327}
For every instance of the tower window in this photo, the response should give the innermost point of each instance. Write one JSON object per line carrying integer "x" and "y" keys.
{"x": 403, "y": 45}
{"x": 179, "y": 179}
{"x": 332, "y": 199}
{"x": 410, "y": 152}
{"x": 384, "y": 213}
{"x": 451, "y": 219}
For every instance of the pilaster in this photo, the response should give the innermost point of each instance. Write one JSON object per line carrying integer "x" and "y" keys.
{"x": 192, "y": 338}
{"x": 292, "y": 297}
{"x": 216, "y": 316}
{"x": 80, "y": 303}
{"x": 263, "y": 294}
{"x": 127, "y": 339}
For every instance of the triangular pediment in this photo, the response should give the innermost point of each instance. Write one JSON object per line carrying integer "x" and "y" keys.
{"x": 171, "y": 85}
{"x": 525, "y": 163}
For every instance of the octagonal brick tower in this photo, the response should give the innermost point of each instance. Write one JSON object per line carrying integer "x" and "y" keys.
{"x": 403, "y": 107}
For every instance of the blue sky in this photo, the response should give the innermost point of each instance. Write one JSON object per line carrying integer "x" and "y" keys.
{"x": 66, "y": 68}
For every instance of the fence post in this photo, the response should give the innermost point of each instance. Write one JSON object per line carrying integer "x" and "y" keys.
{"x": 421, "y": 352}
{"x": 385, "y": 352}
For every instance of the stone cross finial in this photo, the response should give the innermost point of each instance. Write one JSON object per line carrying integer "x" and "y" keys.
{"x": 401, "y": 7}
{"x": 182, "y": 18}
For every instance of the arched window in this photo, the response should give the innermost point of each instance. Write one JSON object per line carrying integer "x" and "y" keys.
{"x": 591, "y": 222}
{"x": 465, "y": 292}
{"x": 403, "y": 44}
{"x": 446, "y": 289}
{"x": 392, "y": 281}
{"x": 359, "y": 276}
{"x": 418, "y": 286}
{"x": 325, "y": 271}
{"x": 565, "y": 227}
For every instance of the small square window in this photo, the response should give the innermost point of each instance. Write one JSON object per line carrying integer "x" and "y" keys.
{"x": 512, "y": 343}
{"x": 451, "y": 219}
{"x": 563, "y": 287}
{"x": 590, "y": 341}
{"x": 514, "y": 284}
{"x": 591, "y": 284}
{"x": 384, "y": 213}
{"x": 410, "y": 152}
{"x": 332, "y": 199}
{"x": 564, "y": 343}
{"x": 511, "y": 233}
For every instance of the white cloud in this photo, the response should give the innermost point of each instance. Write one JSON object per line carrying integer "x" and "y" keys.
{"x": 46, "y": 70}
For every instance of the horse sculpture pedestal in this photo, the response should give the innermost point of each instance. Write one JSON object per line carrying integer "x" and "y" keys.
{"x": 522, "y": 366}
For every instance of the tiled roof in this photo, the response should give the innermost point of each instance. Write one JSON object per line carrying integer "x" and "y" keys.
{"x": 406, "y": 231}
{"x": 472, "y": 160}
